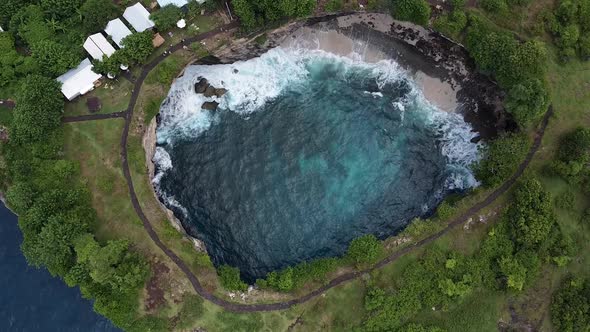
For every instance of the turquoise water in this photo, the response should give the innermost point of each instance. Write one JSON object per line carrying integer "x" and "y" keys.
{"x": 329, "y": 149}
{"x": 31, "y": 299}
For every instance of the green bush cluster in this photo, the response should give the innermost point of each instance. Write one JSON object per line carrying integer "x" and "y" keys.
{"x": 230, "y": 278}
{"x": 416, "y": 11}
{"x": 501, "y": 6}
{"x": 166, "y": 17}
{"x": 138, "y": 47}
{"x": 517, "y": 66}
{"x": 569, "y": 24}
{"x": 451, "y": 24}
{"x": 362, "y": 251}
{"x": 570, "y": 305}
{"x": 254, "y": 14}
{"x": 573, "y": 156}
{"x": 334, "y": 5}
{"x": 508, "y": 260}
{"x": 295, "y": 277}
{"x": 501, "y": 158}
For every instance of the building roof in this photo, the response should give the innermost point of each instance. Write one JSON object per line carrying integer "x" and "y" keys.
{"x": 158, "y": 40}
{"x": 117, "y": 30}
{"x": 79, "y": 80}
{"x": 138, "y": 17}
{"x": 177, "y": 3}
{"x": 98, "y": 46}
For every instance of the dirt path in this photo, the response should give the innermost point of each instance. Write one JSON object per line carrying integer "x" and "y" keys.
{"x": 239, "y": 307}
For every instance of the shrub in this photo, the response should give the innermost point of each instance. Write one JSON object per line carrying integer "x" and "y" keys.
{"x": 230, "y": 278}
{"x": 566, "y": 200}
{"x": 451, "y": 24}
{"x": 527, "y": 101}
{"x": 501, "y": 158}
{"x": 417, "y": 11}
{"x": 494, "y": 6}
{"x": 444, "y": 211}
{"x": 333, "y": 6}
{"x": 166, "y": 17}
{"x": 570, "y": 306}
{"x": 364, "y": 250}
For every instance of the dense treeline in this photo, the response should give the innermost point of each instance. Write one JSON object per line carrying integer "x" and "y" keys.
{"x": 569, "y": 24}
{"x": 508, "y": 261}
{"x": 257, "y": 13}
{"x": 55, "y": 212}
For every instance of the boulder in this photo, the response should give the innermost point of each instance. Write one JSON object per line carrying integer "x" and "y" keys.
{"x": 202, "y": 85}
{"x": 210, "y": 105}
{"x": 220, "y": 92}
{"x": 209, "y": 92}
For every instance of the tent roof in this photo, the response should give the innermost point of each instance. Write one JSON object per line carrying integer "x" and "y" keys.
{"x": 117, "y": 30}
{"x": 177, "y": 3}
{"x": 78, "y": 80}
{"x": 97, "y": 46}
{"x": 138, "y": 17}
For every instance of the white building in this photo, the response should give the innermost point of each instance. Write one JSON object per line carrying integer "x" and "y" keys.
{"x": 78, "y": 81}
{"x": 98, "y": 46}
{"x": 138, "y": 17}
{"x": 118, "y": 31}
{"x": 177, "y": 3}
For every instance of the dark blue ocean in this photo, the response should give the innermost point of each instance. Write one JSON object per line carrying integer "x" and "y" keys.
{"x": 32, "y": 300}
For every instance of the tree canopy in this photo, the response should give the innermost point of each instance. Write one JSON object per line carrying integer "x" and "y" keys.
{"x": 38, "y": 109}
{"x": 166, "y": 17}
{"x": 96, "y": 14}
{"x": 138, "y": 47}
{"x": 417, "y": 11}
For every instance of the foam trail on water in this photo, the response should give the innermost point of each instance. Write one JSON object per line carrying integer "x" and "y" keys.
{"x": 250, "y": 84}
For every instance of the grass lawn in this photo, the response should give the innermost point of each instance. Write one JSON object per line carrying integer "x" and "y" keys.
{"x": 194, "y": 26}
{"x": 113, "y": 94}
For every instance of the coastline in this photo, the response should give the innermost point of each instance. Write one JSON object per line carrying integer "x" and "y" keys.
{"x": 382, "y": 38}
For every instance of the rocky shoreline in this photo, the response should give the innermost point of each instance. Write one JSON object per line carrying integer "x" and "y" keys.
{"x": 444, "y": 69}
{"x": 440, "y": 64}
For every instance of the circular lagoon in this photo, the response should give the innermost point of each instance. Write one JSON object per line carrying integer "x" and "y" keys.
{"x": 298, "y": 152}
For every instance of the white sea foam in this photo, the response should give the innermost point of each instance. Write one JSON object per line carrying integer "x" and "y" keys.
{"x": 252, "y": 83}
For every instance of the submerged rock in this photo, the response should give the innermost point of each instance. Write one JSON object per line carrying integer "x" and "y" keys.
{"x": 202, "y": 85}
{"x": 220, "y": 92}
{"x": 210, "y": 105}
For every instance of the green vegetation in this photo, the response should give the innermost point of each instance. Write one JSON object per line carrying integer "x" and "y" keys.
{"x": 230, "y": 278}
{"x": 333, "y": 6}
{"x": 570, "y": 306}
{"x": 501, "y": 158}
{"x": 96, "y": 14}
{"x": 38, "y": 110}
{"x": 56, "y": 216}
{"x": 255, "y": 14}
{"x": 166, "y": 17}
{"x": 364, "y": 250}
{"x": 417, "y": 11}
{"x": 508, "y": 261}
{"x": 569, "y": 24}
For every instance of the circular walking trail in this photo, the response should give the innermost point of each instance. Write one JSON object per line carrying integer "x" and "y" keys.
{"x": 241, "y": 307}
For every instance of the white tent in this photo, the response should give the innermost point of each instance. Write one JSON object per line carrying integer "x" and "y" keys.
{"x": 177, "y": 3}
{"x": 138, "y": 17}
{"x": 78, "y": 81}
{"x": 98, "y": 46}
{"x": 181, "y": 24}
{"x": 117, "y": 30}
